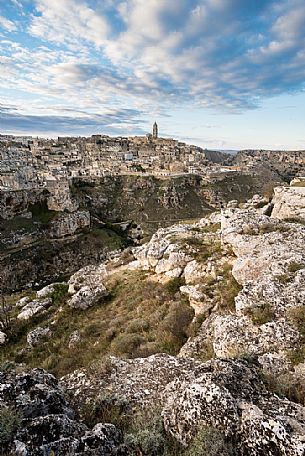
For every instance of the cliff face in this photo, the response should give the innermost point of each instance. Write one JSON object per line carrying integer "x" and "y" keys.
{"x": 149, "y": 201}
{"x": 287, "y": 164}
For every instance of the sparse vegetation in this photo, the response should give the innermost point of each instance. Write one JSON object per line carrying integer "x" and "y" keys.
{"x": 209, "y": 442}
{"x": 294, "y": 266}
{"x": 261, "y": 314}
{"x": 10, "y": 420}
{"x": 283, "y": 278}
{"x": 286, "y": 385}
{"x": 144, "y": 431}
{"x": 60, "y": 293}
{"x": 139, "y": 318}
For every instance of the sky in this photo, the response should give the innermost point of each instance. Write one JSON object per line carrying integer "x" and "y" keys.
{"x": 223, "y": 74}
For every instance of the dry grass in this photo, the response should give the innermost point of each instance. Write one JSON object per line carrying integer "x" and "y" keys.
{"x": 261, "y": 315}
{"x": 139, "y": 318}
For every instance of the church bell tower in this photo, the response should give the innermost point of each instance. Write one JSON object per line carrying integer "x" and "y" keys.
{"x": 155, "y": 130}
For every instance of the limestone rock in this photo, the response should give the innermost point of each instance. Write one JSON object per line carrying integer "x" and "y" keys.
{"x": 194, "y": 272}
{"x": 68, "y": 224}
{"x": 47, "y": 422}
{"x": 22, "y": 302}
{"x": 47, "y": 290}
{"x": 289, "y": 203}
{"x": 35, "y": 336}
{"x": 87, "y": 297}
{"x": 195, "y": 297}
{"x": 235, "y": 335}
{"x": 3, "y": 338}
{"x": 74, "y": 339}
{"x": 91, "y": 276}
{"x": 224, "y": 394}
{"x": 34, "y": 307}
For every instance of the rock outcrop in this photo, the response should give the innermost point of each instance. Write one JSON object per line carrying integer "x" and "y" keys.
{"x": 37, "y": 335}
{"x": 37, "y": 306}
{"x": 42, "y": 421}
{"x": 68, "y": 224}
{"x": 289, "y": 203}
{"x": 228, "y": 395}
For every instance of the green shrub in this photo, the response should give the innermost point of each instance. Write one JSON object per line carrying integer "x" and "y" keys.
{"x": 296, "y": 355}
{"x": 60, "y": 293}
{"x": 261, "y": 314}
{"x": 294, "y": 266}
{"x": 177, "y": 321}
{"x": 283, "y": 278}
{"x": 286, "y": 385}
{"x": 209, "y": 442}
{"x": 297, "y": 316}
{"x": 10, "y": 420}
{"x": 139, "y": 325}
{"x": 107, "y": 408}
{"x": 173, "y": 285}
{"x": 126, "y": 343}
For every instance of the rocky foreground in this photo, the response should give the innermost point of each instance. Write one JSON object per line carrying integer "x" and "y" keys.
{"x": 236, "y": 384}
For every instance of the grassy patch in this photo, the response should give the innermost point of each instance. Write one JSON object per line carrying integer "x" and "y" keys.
{"x": 283, "y": 278}
{"x": 41, "y": 213}
{"x": 286, "y": 386}
{"x": 294, "y": 266}
{"x": 261, "y": 315}
{"x": 297, "y": 316}
{"x": 60, "y": 293}
{"x": 139, "y": 318}
{"x": 10, "y": 421}
{"x": 144, "y": 432}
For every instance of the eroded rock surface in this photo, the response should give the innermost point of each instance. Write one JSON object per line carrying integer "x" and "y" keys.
{"x": 228, "y": 395}
{"x": 45, "y": 422}
{"x": 289, "y": 202}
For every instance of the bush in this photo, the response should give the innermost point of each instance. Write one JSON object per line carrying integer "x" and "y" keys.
{"x": 209, "y": 442}
{"x": 10, "y": 421}
{"x": 126, "y": 343}
{"x": 294, "y": 266}
{"x": 60, "y": 293}
{"x": 286, "y": 385}
{"x": 297, "y": 316}
{"x": 107, "y": 408}
{"x": 139, "y": 325}
{"x": 261, "y": 314}
{"x": 146, "y": 433}
{"x": 173, "y": 285}
{"x": 177, "y": 321}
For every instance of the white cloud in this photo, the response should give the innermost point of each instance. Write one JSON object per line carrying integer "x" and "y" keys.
{"x": 7, "y": 25}
{"x": 68, "y": 22}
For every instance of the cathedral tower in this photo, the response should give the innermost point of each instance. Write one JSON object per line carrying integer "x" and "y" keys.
{"x": 155, "y": 130}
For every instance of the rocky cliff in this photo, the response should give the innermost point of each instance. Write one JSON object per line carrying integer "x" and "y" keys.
{"x": 222, "y": 300}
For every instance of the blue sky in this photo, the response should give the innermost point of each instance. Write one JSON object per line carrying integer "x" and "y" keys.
{"x": 223, "y": 74}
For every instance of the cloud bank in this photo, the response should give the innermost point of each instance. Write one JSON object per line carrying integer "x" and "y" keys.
{"x": 149, "y": 55}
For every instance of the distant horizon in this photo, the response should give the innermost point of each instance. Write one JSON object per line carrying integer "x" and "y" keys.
{"x": 56, "y": 136}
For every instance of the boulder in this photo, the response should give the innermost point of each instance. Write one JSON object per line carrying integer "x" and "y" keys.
{"x": 74, "y": 339}
{"x": 37, "y": 335}
{"x": 3, "y": 338}
{"x": 34, "y": 307}
{"x": 91, "y": 276}
{"x": 219, "y": 394}
{"x": 46, "y": 423}
{"x": 22, "y": 302}
{"x": 68, "y": 224}
{"x": 48, "y": 290}
{"x": 289, "y": 202}
{"x": 87, "y": 296}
